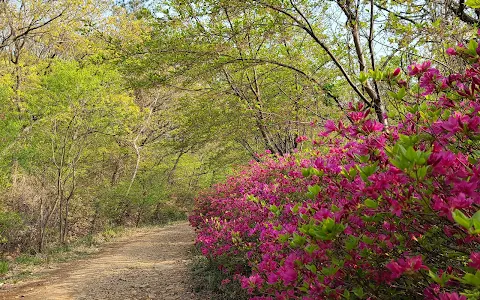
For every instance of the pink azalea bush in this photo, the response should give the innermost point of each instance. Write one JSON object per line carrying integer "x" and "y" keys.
{"x": 368, "y": 212}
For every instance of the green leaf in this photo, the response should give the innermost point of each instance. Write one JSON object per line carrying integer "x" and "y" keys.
{"x": 338, "y": 262}
{"x": 330, "y": 271}
{"x": 472, "y": 279}
{"x": 422, "y": 172}
{"x": 411, "y": 154}
{"x": 461, "y": 219}
{"x": 275, "y": 209}
{"x": 400, "y": 163}
{"x": 319, "y": 173}
{"x": 391, "y": 114}
{"x": 434, "y": 276}
{"x": 310, "y": 248}
{"x": 367, "y": 240}
{"x": 327, "y": 230}
{"x": 472, "y": 160}
{"x": 352, "y": 173}
{"x": 440, "y": 280}
{"x": 366, "y": 171}
{"x": 358, "y": 291}
{"x": 472, "y": 47}
{"x": 311, "y": 268}
{"x": 298, "y": 240}
{"x": 476, "y": 216}
{"x": 335, "y": 208}
{"x": 371, "y": 203}
{"x": 363, "y": 77}
{"x": 283, "y": 238}
{"x": 306, "y": 172}
{"x": 392, "y": 94}
{"x": 473, "y": 3}
{"x": 378, "y": 75}
{"x": 351, "y": 243}
{"x": 295, "y": 208}
{"x": 476, "y": 222}
{"x": 364, "y": 158}
{"x": 401, "y": 93}
{"x": 313, "y": 191}
{"x": 412, "y": 109}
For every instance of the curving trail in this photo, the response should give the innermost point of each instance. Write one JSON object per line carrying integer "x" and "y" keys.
{"x": 149, "y": 265}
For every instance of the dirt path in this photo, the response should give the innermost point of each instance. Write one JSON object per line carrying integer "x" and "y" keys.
{"x": 149, "y": 265}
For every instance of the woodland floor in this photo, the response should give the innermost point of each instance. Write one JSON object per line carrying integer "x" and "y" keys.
{"x": 151, "y": 264}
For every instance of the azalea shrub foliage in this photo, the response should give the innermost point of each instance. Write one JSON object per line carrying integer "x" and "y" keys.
{"x": 368, "y": 212}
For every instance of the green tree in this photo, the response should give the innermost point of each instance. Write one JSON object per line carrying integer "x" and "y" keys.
{"x": 80, "y": 112}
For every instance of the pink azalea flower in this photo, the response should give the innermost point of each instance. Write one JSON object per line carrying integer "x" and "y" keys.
{"x": 323, "y": 213}
{"x": 459, "y": 201}
{"x": 254, "y": 281}
{"x": 272, "y": 278}
{"x": 330, "y": 126}
{"x": 475, "y": 260}
{"x": 288, "y": 274}
{"x": 451, "y": 296}
{"x": 402, "y": 83}
{"x": 451, "y": 51}
{"x": 371, "y": 126}
{"x": 431, "y": 291}
{"x": 408, "y": 265}
{"x": 430, "y": 80}
{"x": 452, "y": 125}
{"x": 301, "y": 139}
{"x": 416, "y": 69}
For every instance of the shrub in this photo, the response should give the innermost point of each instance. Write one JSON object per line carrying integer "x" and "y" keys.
{"x": 11, "y": 230}
{"x": 210, "y": 282}
{"x": 383, "y": 214}
{"x": 3, "y": 267}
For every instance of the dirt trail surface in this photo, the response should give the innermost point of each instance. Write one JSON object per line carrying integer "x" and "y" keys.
{"x": 151, "y": 264}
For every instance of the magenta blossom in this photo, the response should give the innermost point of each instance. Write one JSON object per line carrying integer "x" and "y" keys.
{"x": 301, "y": 139}
{"x": 332, "y": 217}
{"x": 451, "y": 296}
{"x": 408, "y": 265}
{"x": 460, "y": 201}
{"x": 396, "y": 72}
{"x": 451, "y": 51}
{"x": 329, "y": 127}
{"x": 288, "y": 274}
{"x": 475, "y": 260}
{"x": 432, "y": 79}
{"x": 372, "y": 126}
{"x": 417, "y": 69}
